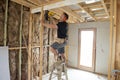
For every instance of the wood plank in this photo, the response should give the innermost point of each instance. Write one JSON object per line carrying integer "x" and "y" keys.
{"x": 30, "y": 47}
{"x": 17, "y": 48}
{"x": 5, "y": 23}
{"x": 56, "y": 5}
{"x": 70, "y": 12}
{"x": 20, "y": 40}
{"x": 22, "y": 2}
{"x": 91, "y": 5}
{"x": 51, "y": 2}
{"x": 36, "y": 2}
{"x": 41, "y": 44}
{"x": 114, "y": 38}
{"x": 95, "y": 4}
{"x": 104, "y": 6}
{"x": 111, "y": 40}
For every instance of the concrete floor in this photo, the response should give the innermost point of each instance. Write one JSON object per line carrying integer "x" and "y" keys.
{"x": 74, "y": 74}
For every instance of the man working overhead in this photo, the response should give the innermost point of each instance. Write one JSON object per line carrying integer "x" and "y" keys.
{"x": 62, "y": 28}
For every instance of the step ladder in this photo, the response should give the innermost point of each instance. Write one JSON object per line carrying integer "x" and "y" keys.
{"x": 61, "y": 67}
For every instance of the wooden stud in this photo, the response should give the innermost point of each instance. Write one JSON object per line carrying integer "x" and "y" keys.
{"x": 20, "y": 37}
{"x": 41, "y": 44}
{"x": 30, "y": 47}
{"x": 104, "y": 5}
{"x": 114, "y": 38}
{"x": 111, "y": 40}
{"x": 5, "y": 23}
{"x": 15, "y": 48}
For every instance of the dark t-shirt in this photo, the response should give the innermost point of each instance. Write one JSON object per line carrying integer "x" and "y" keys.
{"x": 62, "y": 30}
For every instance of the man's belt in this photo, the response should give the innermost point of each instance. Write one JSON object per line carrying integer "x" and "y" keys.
{"x": 60, "y": 40}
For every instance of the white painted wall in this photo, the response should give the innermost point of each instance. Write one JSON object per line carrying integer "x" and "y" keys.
{"x": 4, "y": 64}
{"x": 102, "y": 44}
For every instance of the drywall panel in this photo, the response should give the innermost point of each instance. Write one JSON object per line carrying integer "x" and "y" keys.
{"x": 102, "y": 44}
{"x": 4, "y": 64}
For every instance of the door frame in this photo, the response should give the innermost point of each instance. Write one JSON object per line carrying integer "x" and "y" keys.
{"x": 94, "y": 50}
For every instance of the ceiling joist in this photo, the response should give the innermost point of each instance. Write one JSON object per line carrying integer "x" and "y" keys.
{"x": 25, "y": 3}
{"x": 36, "y": 2}
{"x": 88, "y": 11}
{"x": 70, "y": 12}
{"x": 56, "y": 5}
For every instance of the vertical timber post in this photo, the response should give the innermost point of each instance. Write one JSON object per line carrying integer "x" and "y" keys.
{"x": 114, "y": 36}
{"x": 5, "y": 23}
{"x": 41, "y": 44}
{"x": 111, "y": 40}
{"x": 30, "y": 47}
{"x": 20, "y": 41}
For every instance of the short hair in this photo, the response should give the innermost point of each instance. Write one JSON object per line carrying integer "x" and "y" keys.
{"x": 66, "y": 15}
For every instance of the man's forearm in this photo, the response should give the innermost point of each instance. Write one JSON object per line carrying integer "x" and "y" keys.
{"x": 50, "y": 25}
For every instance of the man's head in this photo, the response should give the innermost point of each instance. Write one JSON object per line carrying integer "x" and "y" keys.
{"x": 64, "y": 17}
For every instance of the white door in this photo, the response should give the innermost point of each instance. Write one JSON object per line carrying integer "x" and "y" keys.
{"x": 86, "y": 49}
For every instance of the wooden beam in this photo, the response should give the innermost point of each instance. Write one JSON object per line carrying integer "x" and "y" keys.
{"x": 111, "y": 40}
{"x": 95, "y": 4}
{"x": 15, "y": 48}
{"x": 88, "y": 11}
{"x": 104, "y": 6}
{"x": 97, "y": 11}
{"x": 95, "y": 7}
{"x": 51, "y": 2}
{"x": 70, "y": 12}
{"x": 36, "y": 2}
{"x": 91, "y": 5}
{"x": 22, "y": 2}
{"x": 20, "y": 37}
{"x": 41, "y": 44}
{"x": 30, "y": 47}
{"x": 77, "y": 10}
{"x": 5, "y": 23}
{"x": 56, "y": 5}
{"x": 114, "y": 38}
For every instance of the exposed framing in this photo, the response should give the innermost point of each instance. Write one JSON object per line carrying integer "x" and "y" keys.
{"x": 5, "y": 23}
{"x": 41, "y": 44}
{"x": 22, "y": 2}
{"x": 88, "y": 12}
{"x": 30, "y": 46}
{"x": 113, "y": 23}
{"x": 111, "y": 39}
{"x": 94, "y": 49}
{"x": 20, "y": 37}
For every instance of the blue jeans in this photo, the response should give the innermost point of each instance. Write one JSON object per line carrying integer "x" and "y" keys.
{"x": 59, "y": 47}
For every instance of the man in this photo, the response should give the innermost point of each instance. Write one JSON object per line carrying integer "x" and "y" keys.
{"x": 62, "y": 27}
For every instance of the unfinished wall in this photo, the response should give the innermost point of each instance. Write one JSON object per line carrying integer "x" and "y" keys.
{"x": 13, "y": 31}
{"x": 117, "y": 55}
{"x": 102, "y": 44}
